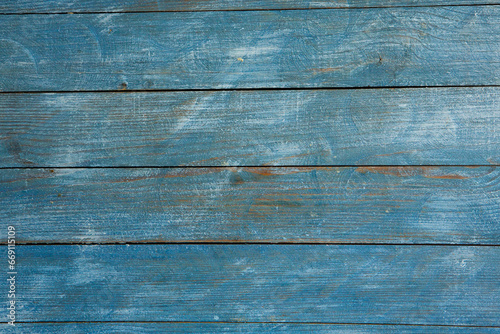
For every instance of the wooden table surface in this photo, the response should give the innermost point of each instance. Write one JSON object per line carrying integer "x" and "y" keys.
{"x": 298, "y": 166}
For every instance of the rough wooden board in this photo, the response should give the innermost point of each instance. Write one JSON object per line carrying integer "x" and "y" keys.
{"x": 439, "y": 285}
{"x": 342, "y": 205}
{"x": 58, "y": 6}
{"x": 229, "y": 328}
{"x": 459, "y": 126}
{"x": 437, "y": 46}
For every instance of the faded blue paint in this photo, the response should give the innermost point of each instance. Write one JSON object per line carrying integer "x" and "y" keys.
{"x": 263, "y": 283}
{"x": 363, "y": 288}
{"x": 458, "y": 126}
{"x": 366, "y": 204}
{"x": 383, "y": 47}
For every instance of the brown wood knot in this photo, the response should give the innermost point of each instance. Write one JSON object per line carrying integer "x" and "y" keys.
{"x": 236, "y": 178}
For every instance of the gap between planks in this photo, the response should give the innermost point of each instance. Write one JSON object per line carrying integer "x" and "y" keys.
{"x": 246, "y": 10}
{"x": 250, "y": 322}
{"x": 237, "y": 242}
{"x": 246, "y": 166}
{"x": 240, "y": 89}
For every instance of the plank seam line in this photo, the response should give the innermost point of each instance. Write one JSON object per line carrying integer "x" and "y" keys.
{"x": 251, "y": 322}
{"x": 248, "y": 166}
{"x": 265, "y": 243}
{"x": 246, "y": 10}
{"x": 243, "y": 89}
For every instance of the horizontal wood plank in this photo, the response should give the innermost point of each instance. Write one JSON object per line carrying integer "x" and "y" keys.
{"x": 458, "y": 126}
{"x": 229, "y": 328}
{"x": 434, "y": 285}
{"x": 341, "y": 205}
{"x": 381, "y": 47}
{"x": 58, "y": 6}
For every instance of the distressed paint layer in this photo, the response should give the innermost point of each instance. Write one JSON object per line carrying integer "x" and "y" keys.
{"x": 440, "y": 285}
{"x": 458, "y": 126}
{"x": 361, "y": 205}
{"x": 382, "y": 47}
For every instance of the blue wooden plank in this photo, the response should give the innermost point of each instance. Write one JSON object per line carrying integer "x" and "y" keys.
{"x": 433, "y": 285}
{"x": 436, "y": 46}
{"x": 341, "y": 205}
{"x": 57, "y": 6}
{"x": 458, "y": 126}
{"x": 229, "y": 328}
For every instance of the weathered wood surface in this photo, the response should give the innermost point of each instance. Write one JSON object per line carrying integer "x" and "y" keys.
{"x": 444, "y": 285}
{"x": 229, "y": 328}
{"x": 436, "y": 46}
{"x": 343, "y": 205}
{"x": 458, "y": 126}
{"x": 61, "y": 6}
{"x": 217, "y": 45}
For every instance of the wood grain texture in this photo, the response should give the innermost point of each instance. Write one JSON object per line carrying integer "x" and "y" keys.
{"x": 229, "y": 328}
{"x": 437, "y": 46}
{"x": 458, "y": 126}
{"x": 444, "y": 285}
{"x": 58, "y": 6}
{"x": 346, "y": 205}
